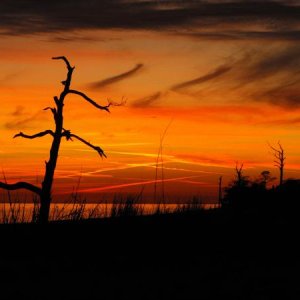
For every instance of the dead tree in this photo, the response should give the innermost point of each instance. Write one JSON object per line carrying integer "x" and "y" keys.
{"x": 45, "y": 191}
{"x": 279, "y": 161}
{"x": 239, "y": 174}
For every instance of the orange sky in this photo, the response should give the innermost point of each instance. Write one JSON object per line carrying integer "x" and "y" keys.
{"x": 222, "y": 101}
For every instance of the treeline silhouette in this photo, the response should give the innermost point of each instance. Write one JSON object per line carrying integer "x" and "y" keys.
{"x": 260, "y": 197}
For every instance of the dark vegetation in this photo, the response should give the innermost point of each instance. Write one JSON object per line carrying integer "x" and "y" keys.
{"x": 247, "y": 249}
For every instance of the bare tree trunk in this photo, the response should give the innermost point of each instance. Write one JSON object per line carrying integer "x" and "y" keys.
{"x": 281, "y": 174}
{"x": 51, "y": 164}
{"x": 46, "y": 196}
{"x": 220, "y": 190}
{"x": 44, "y": 211}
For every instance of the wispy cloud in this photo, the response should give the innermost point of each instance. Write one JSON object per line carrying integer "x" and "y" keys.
{"x": 271, "y": 75}
{"x": 181, "y": 87}
{"x": 117, "y": 78}
{"x": 19, "y": 111}
{"x": 274, "y": 61}
{"x": 148, "y": 100}
{"x": 275, "y": 72}
{"x": 8, "y": 77}
{"x": 234, "y": 35}
{"x": 287, "y": 96}
{"x": 210, "y": 76}
{"x": 22, "y": 119}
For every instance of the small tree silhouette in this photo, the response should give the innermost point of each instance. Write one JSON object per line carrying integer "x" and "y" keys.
{"x": 44, "y": 192}
{"x": 236, "y": 192}
{"x": 279, "y": 161}
{"x": 265, "y": 178}
{"x": 241, "y": 180}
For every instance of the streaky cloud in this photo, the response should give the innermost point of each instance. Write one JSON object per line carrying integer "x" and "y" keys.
{"x": 117, "y": 78}
{"x": 285, "y": 97}
{"x": 19, "y": 111}
{"x": 271, "y": 76}
{"x": 147, "y": 101}
{"x": 275, "y": 61}
{"x": 275, "y": 74}
{"x": 9, "y": 77}
{"x": 210, "y": 76}
{"x": 16, "y": 124}
{"x": 233, "y": 35}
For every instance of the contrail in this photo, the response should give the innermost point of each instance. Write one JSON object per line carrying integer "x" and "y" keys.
{"x": 124, "y": 185}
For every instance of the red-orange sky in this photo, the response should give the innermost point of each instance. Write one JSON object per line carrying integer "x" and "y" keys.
{"x": 222, "y": 77}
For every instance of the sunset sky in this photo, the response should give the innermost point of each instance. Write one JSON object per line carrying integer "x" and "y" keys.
{"x": 219, "y": 78}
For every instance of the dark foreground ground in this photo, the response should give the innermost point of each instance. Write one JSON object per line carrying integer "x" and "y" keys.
{"x": 189, "y": 256}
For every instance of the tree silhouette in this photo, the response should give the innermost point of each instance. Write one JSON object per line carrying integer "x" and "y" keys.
{"x": 265, "y": 178}
{"x": 279, "y": 161}
{"x": 241, "y": 180}
{"x": 44, "y": 192}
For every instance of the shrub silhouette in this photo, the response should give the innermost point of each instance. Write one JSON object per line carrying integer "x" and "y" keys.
{"x": 44, "y": 192}
{"x": 245, "y": 195}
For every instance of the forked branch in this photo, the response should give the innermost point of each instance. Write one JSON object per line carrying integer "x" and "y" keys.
{"x": 37, "y": 135}
{"x": 53, "y": 109}
{"x": 21, "y": 185}
{"x": 68, "y": 135}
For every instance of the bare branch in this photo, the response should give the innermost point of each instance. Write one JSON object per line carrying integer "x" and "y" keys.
{"x": 84, "y": 96}
{"x": 68, "y": 135}
{"x": 239, "y": 170}
{"x": 275, "y": 150}
{"x": 21, "y": 185}
{"x": 271, "y": 147}
{"x": 53, "y": 110}
{"x": 40, "y": 134}
{"x": 65, "y": 60}
{"x": 113, "y": 103}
